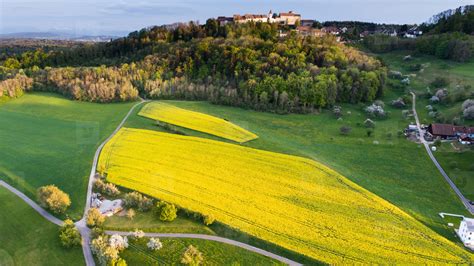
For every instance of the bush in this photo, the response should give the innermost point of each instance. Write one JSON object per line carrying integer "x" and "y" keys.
{"x": 468, "y": 113}
{"x": 118, "y": 242}
{"x": 467, "y": 103}
{"x": 337, "y": 111}
{"x": 106, "y": 188}
{"x": 106, "y": 255}
{"x": 137, "y": 200}
{"x": 94, "y": 218}
{"x": 368, "y": 123}
{"x": 154, "y": 244}
{"x": 130, "y": 213}
{"x": 440, "y": 82}
{"x": 375, "y": 110}
{"x": 69, "y": 235}
{"x": 53, "y": 198}
{"x": 166, "y": 211}
{"x": 209, "y": 219}
{"x": 398, "y": 103}
{"x": 192, "y": 256}
{"x": 369, "y": 133}
{"x": 345, "y": 130}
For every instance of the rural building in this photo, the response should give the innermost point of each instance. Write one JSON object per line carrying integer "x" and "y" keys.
{"x": 110, "y": 207}
{"x": 253, "y": 17}
{"x": 225, "y": 20}
{"x": 307, "y": 22}
{"x": 331, "y": 30}
{"x": 288, "y": 18}
{"x": 309, "y": 31}
{"x": 466, "y": 232}
{"x": 448, "y": 131}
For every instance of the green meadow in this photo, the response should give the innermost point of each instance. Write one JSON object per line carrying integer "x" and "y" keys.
{"x": 47, "y": 139}
{"x": 28, "y": 239}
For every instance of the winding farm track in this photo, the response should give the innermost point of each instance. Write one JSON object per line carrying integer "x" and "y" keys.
{"x": 85, "y": 231}
{"x": 463, "y": 199}
{"x": 213, "y": 238}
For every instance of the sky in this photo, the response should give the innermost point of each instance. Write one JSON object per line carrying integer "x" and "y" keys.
{"x": 118, "y": 17}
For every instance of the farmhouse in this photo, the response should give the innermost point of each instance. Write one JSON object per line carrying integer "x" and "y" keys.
{"x": 466, "y": 232}
{"x": 447, "y": 131}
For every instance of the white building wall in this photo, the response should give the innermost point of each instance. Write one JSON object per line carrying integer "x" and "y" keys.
{"x": 466, "y": 235}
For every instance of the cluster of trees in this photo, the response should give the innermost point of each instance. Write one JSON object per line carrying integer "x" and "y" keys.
{"x": 54, "y": 199}
{"x": 106, "y": 188}
{"x": 246, "y": 65}
{"x": 15, "y": 86}
{"x": 460, "y": 21}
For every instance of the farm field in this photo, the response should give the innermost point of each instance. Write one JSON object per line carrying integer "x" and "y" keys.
{"x": 197, "y": 121}
{"x": 28, "y": 239}
{"x": 214, "y": 253}
{"x": 375, "y": 162}
{"x": 47, "y": 139}
{"x": 291, "y": 201}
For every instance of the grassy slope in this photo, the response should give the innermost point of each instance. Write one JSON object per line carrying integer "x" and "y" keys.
{"x": 47, "y": 139}
{"x": 149, "y": 222}
{"x": 395, "y": 169}
{"x": 214, "y": 253}
{"x": 28, "y": 239}
{"x": 458, "y": 164}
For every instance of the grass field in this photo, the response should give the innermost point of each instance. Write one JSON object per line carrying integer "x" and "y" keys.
{"x": 26, "y": 238}
{"x": 458, "y": 164}
{"x": 197, "y": 121}
{"x": 214, "y": 253}
{"x": 47, "y": 139}
{"x": 149, "y": 222}
{"x": 291, "y": 201}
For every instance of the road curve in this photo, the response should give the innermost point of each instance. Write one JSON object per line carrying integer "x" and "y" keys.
{"x": 213, "y": 238}
{"x": 81, "y": 224}
{"x": 463, "y": 199}
{"x": 33, "y": 204}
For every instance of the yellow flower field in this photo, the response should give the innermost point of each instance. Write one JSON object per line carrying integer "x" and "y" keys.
{"x": 294, "y": 202}
{"x": 196, "y": 121}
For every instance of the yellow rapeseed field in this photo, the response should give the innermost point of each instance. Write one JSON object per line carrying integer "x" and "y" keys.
{"x": 196, "y": 121}
{"x": 293, "y": 202}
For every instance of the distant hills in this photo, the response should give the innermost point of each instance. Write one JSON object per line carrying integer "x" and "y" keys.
{"x": 57, "y": 36}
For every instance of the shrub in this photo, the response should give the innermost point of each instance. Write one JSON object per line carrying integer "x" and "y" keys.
{"x": 437, "y": 143}
{"x": 368, "y": 123}
{"x": 106, "y": 188}
{"x": 468, "y": 113}
{"x": 53, "y": 198}
{"x": 130, "y": 213}
{"x": 337, "y": 111}
{"x": 209, "y": 219}
{"x": 434, "y": 99}
{"x": 467, "y": 103}
{"x": 441, "y": 94}
{"x": 398, "y": 103}
{"x": 69, "y": 235}
{"x": 345, "y": 130}
{"x": 118, "y": 242}
{"x": 375, "y": 110}
{"x": 166, "y": 211}
{"x": 154, "y": 244}
{"x": 94, "y": 218}
{"x": 192, "y": 256}
{"x": 106, "y": 254}
{"x": 137, "y": 200}
{"x": 440, "y": 82}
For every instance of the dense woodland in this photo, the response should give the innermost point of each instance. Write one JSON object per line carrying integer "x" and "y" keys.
{"x": 450, "y": 38}
{"x": 242, "y": 65}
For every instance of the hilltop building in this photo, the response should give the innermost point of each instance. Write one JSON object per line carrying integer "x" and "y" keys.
{"x": 285, "y": 18}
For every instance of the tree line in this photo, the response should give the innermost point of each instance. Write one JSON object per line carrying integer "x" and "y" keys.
{"x": 246, "y": 65}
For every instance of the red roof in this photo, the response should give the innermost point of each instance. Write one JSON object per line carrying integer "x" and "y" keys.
{"x": 450, "y": 130}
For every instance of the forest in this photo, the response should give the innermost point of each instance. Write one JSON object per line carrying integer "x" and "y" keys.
{"x": 248, "y": 65}
{"x": 450, "y": 38}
